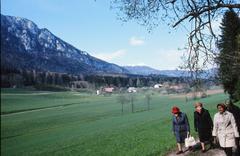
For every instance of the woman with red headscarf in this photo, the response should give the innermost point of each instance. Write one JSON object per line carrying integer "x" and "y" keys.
{"x": 180, "y": 127}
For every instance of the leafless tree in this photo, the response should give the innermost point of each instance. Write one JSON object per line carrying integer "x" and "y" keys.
{"x": 122, "y": 99}
{"x": 148, "y": 98}
{"x": 201, "y": 14}
{"x": 132, "y": 98}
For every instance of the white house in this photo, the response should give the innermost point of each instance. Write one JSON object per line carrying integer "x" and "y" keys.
{"x": 132, "y": 90}
{"x": 98, "y": 92}
{"x": 158, "y": 86}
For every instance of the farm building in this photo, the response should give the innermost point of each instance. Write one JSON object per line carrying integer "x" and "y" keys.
{"x": 132, "y": 90}
{"x": 108, "y": 89}
{"x": 98, "y": 92}
{"x": 177, "y": 87}
{"x": 158, "y": 86}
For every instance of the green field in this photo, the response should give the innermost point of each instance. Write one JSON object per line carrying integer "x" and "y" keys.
{"x": 72, "y": 123}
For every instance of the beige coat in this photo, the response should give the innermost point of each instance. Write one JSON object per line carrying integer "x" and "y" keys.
{"x": 224, "y": 127}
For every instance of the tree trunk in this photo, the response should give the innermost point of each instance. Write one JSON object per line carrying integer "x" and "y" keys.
{"x": 132, "y": 104}
{"x": 122, "y": 108}
{"x": 148, "y": 104}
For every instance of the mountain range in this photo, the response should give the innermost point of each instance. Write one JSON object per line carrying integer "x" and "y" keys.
{"x": 145, "y": 70}
{"x": 26, "y": 46}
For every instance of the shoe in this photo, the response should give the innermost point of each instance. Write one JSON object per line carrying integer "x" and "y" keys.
{"x": 203, "y": 151}
{"x": 179, "y": 152}
{"x": 211, "y": 145}
{"x": 190, "y": 148}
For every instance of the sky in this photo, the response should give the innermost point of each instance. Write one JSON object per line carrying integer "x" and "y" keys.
{"x": 91, "y": 26}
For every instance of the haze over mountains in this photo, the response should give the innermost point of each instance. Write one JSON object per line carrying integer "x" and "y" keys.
{"x": 25, "y": 46}
{"x": 145, "y": 70}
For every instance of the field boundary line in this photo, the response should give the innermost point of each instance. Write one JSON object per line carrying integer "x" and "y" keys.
{"x": 34, "y": 109}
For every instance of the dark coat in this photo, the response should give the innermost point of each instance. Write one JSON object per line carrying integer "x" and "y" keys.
{"x": 180, "y": 127}
{"x": 235, "y": 110}
{"x": 203, "y": 124}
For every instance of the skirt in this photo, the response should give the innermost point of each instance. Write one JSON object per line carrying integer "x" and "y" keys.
{"x": 181, "y": 136}
{"x": 205, "y": 135}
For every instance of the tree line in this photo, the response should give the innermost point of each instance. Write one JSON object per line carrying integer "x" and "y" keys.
{"x": 11, "y": 77}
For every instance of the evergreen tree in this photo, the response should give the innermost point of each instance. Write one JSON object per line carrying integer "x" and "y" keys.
{"x": 138, "y": 83}
{"x": 229, "y": 56}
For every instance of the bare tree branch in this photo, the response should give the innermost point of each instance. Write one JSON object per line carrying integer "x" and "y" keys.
{"x": 206, "y": 9}
{"x": 200, "y": 13}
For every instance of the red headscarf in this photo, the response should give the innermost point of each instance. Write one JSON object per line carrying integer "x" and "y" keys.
{"x": 175, "y": 110}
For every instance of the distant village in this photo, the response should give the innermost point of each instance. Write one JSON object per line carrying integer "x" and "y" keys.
{"x": 164, "y": 88}
{"x": 99, "y": 84}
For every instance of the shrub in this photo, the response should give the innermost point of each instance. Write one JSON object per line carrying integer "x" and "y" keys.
{"x": 204, "y": 95}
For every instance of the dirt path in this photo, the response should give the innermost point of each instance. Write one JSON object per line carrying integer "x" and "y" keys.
{"x": 211, "y": 152}
{"x": 197, "y": 151}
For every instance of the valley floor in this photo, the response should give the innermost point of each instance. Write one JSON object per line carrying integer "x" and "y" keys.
{"x": 61, "y": 123}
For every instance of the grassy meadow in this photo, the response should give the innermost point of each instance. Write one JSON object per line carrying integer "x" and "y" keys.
{"x": 73, "y": 123}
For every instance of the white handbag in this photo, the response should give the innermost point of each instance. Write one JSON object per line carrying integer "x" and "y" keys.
{"x": 190, "y": 141}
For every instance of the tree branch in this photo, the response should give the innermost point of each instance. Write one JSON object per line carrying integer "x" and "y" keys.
{"x": 209, "y": 8}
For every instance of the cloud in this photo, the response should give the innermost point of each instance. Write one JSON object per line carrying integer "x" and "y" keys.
{"x": 169, "y": 59}
{"x": 137, "y": 64}
{"x": 172, "y": 59}
{"x": 134, "y": 41}
{"x": 111, "y": 56}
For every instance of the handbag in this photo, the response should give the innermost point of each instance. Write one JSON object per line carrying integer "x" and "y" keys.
{"x": 190, "y": 141}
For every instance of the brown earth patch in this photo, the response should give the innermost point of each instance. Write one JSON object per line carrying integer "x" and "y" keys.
{"x": 198, "y": 94}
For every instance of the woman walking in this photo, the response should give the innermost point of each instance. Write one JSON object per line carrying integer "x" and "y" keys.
{"x": 225, "y": 129}
{"x": 203, "y": 124}
{"x": 180, "y": 127}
